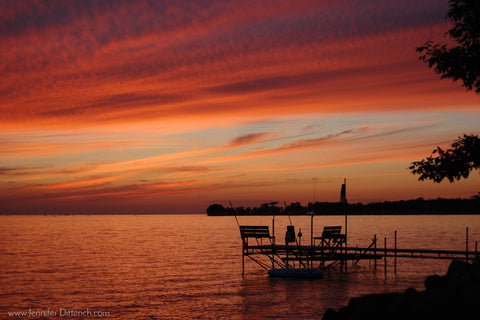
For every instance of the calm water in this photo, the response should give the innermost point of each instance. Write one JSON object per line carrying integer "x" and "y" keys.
{"x": 189, "y": 266}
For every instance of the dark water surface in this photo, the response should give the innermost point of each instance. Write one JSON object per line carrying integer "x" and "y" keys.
{"x": 189, "y": 266}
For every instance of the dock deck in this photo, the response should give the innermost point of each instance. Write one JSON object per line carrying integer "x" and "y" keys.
{"x": 331, "y": 249}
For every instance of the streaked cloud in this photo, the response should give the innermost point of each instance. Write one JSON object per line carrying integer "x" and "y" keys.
{"x": 149, "y": 101}
{"x": 248, "y": 139}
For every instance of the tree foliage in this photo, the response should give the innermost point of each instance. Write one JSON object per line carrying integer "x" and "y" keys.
{"x": 462, "y": 61}
{"x": 454, "y": 163}
{"x": 216, "y": 210}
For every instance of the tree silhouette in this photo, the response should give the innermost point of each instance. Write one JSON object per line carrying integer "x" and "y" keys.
{"x": 460, "y": 62}
{"x": 453, "y": 164}
{"x": 216, "y": 210}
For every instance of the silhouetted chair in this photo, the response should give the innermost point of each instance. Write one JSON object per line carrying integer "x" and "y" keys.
{"x": 331, "y": 237}
{"x": 255, "y": 232}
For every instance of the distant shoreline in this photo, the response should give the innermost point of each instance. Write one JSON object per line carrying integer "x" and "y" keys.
{"x": 418, "y": 206}
{"x": 349, "y": 214}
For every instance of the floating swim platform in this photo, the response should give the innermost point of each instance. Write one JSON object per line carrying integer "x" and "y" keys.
{"x": 296, "y": 273}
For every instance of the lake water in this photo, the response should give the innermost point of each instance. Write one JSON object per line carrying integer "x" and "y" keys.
{"x": 189, "y": 266}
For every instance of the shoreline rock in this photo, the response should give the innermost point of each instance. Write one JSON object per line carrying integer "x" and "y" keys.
{"x": 455, "y": 295}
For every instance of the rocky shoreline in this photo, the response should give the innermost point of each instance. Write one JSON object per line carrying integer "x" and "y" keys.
{"x": 455, "y": 295}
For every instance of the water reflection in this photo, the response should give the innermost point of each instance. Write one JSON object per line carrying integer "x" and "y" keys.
{"x": 189, "y": 266}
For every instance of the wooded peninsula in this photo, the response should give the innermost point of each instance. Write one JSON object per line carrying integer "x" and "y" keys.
{"x": 404, "y": 207}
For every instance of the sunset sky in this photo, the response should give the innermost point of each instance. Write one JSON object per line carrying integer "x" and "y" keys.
{"x": 169, "y": 106}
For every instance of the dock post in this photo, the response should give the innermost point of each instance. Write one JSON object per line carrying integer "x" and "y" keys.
{"x": 311, "y": 230}
{"x": 375, "y": 247}
{"x": 273, "y": 229}
{"x": 342, "y": 260}
{"x": 273, "y": 247}
{"x": 385, "y": 258}
{"x": 395, "y": 255}
{"x": 286, "y": 252}
{"x": 311, "y": 241}
{"x": 243, "y": 262}
{"x": 346, "y": 253}
{"x": 476, "y": 253}
{"x": 466, "y": 245}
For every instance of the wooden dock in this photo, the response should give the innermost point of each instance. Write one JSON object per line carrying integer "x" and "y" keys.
{"x": 331, "y": 249}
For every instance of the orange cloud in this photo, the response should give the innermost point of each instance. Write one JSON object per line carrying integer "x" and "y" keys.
{"x": 224, "y": 62}
{"x": 146, "y": 100}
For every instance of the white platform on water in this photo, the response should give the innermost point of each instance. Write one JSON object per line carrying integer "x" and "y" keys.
{"x": 296, "y": 273}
